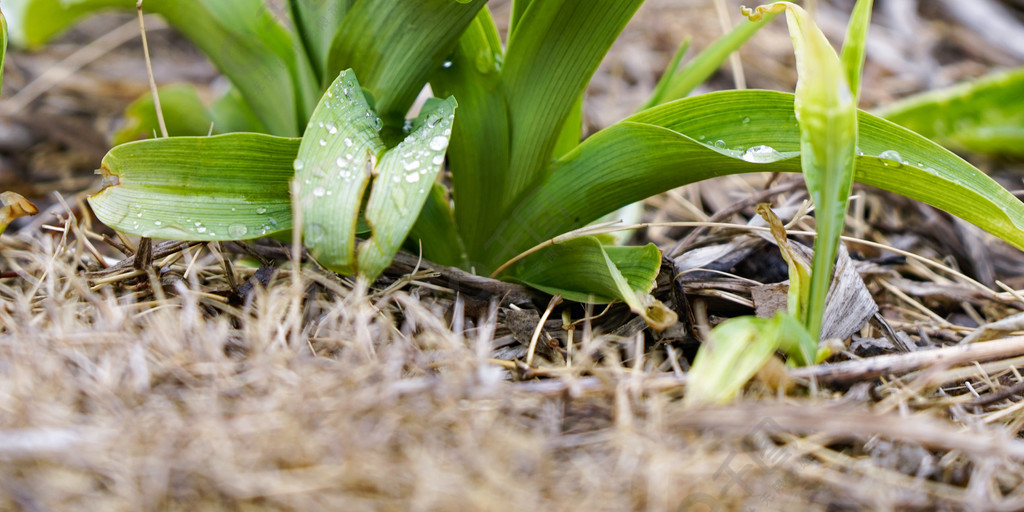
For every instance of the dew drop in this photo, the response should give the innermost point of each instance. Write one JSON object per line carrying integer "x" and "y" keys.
{"x": 412, "y": 177}
{"x": 438, "y": 159}
{"x": 720, "y": 144}
{"x": 261, "y": 210}
{"x": 348, "y": 142}
{"x": 761, "y": 154}
{"x": 201, "y": 229}
{"x": 237, "y": 230}
{"x": 157, "y": 223}
{"x": 298, "y": 165}
{"x": 411, "y": 165}
{"x": 323, "y": 142}
{"x": 746, "y": 120}
{"x": 341, "y": 162}
{"x": 446, "y": 64}
{"x": 332, "y": 128}
{"x": 438, "y": 143}
{"x": 319, "y": 191}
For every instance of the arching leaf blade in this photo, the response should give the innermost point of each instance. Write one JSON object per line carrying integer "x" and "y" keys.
{"x": 405, "y": 177}
{"x": 675, "y": 144}
{"x": 338, "y": 154}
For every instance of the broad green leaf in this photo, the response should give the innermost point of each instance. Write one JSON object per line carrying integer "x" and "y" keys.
{"x": 733, "y": 132}
{"x": 316, "y": 22}
{"x": 394, "y": 53}
{"x": 679, "y": 82}
{"x": 479, "y": 147}
{"x": 405, "y": 176}
{"x": 826, "y": 110}
{"x": 585, "y": 270}
{"x": 984, "y": 115}
{"x": 553, "y": 52}
{"x": 226, "y": 187}
{"x": 339, "y": 151}
{"x": 855, "y": 43}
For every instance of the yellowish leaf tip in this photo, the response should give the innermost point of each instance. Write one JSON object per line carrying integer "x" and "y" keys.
{"x": 757, "y": 13}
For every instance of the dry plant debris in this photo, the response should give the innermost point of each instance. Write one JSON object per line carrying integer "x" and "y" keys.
{"x": 229, "y": 377}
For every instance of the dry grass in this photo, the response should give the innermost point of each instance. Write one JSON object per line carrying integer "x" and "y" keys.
{"x": 164, "y": 389}
{"x": 114, "y": 398}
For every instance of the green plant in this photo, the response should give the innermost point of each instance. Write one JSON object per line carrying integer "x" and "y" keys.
{"x": 519, "y": 174}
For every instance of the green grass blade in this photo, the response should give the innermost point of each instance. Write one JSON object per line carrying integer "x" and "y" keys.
{"x": 339, "y": 151}
{"x": 668, "y": 78}
{"x": 479, "y": 147}
{"x": 405, "y": 177}
{"x": 985, "y": 115}
{"x": 394, "y": 54}
{"x": 228, "y": 187}
{"x": 733, "y": 132}
{"x": 678, "y": 83}
{"x": 584, "y": 270}
{"x": 735, "y": 352}
{"x": 551, "y": 56}
{"x": 854, "y": 45}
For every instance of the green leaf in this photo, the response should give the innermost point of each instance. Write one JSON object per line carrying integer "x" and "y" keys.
{"x": 678, "y": 83}
{"x": 227, "y": 187}
{"x": 827, "y": 113}
{"x": 436, "y": 233}
{"x": 405, "y": 177}
{"x": 733, "y": 132}
{"x": 3, "y": 44}
{"x": 394, "y": 54}
{"x": 554, "y": 50}
{"x": 984, "y": 115}
{"x": 585, "y": 270}
{"x": 735, "y": 351}
{"x": 33, "y": 22}
{"x": 339, "y": 151}
{"x": 316, "y": 23}
{"x": 184, "y": 114}
{"x": 479, "y": 147}
{"x": 855, "y": 43}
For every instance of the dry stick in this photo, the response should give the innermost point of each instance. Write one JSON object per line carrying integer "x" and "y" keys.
{"x": 149, "y": 71}
{"x": 847, "y": 372}
{"x": 556, "y": 300}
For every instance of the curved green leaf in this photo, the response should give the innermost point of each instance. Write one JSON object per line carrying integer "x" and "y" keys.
{"x": 734, "y": 132}
{"x": 405, "y": 177}
{"x": 479, "y": 148}
{"x": 985, "y": 115}
{"x": 554, "y": 50}
{"x": 339, "y": 151}
{"x": 585, "y": 270}
{"x": 227, "y": 187}
{"x": 394, "y": 53}
{"x": 33, "y": 22}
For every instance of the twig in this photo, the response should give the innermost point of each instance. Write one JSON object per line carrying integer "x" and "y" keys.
{"x": 849, "y": 372}
{"x": 149, "y": 71}
{"x": 556, "y": 300}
